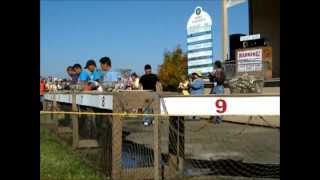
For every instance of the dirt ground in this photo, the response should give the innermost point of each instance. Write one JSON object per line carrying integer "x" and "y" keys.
{"x": 208, "y": 141}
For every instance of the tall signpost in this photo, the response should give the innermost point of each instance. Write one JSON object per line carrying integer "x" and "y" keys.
{"x": 224, "y": 30}
{"x": 199, "y": 42}
{"x": 225, "y": 5}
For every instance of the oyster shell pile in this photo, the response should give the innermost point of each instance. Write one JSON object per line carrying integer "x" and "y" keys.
{"x": 246, "y": 84}
{"x": 111, "y": 86}
{"x": 76, "y": 88}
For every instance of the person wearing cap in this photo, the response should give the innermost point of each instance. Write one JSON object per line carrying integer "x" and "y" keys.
{"x": 149, "y": 80}
{"x": 197, "y": 84}
{"x": 90, "y": 73}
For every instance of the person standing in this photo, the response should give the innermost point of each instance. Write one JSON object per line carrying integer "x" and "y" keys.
{"x": 217, "y": 77}
{"x": 135, "y": 81}
{"x": 77, "y": 71}
{"x": 42, "y": 91}
{"x": 72, "y": 75}
{"x": 197, "y": 84}
{"x": 125, "y": 81}
{"x": 149, "y": 80}
{"x": 90, "y": 73}
{"x": 106, "y": 73}
{"x": 196, "y": 87}
{"x": 184, "y": 85}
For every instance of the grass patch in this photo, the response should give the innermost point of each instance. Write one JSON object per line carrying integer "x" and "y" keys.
{"x": 57, "y": 161}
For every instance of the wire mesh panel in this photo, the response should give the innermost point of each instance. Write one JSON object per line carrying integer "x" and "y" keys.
{"x": 225, "y": 149}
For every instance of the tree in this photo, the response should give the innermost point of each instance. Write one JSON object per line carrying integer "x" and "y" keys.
{"x": 173, "y": 67}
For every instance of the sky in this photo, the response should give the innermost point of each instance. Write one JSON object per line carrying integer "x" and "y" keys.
{"x": 132, "y": 33}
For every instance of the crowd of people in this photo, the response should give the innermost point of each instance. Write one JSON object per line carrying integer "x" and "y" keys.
{"x": 92, "y": 78}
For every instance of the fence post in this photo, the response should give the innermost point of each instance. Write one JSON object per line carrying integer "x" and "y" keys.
{"x": 116, "y": 139}
{"x": 54, "y": 116}
{"x": 75, "y": 123}
{"x": 156, "y": 139}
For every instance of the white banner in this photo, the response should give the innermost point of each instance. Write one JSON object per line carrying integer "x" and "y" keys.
{"x": 199, "y": 38}
{"x": 200, "y": 62}
{"x": 200, "y": 46}
{"x": 263, "y": 105}
{"x": 200, "y": 54}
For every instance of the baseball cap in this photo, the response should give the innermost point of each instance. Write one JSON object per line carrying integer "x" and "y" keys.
{"x": 197, "y": 73}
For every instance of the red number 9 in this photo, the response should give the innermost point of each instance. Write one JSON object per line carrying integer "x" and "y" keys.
{"x": 221, "y": 106}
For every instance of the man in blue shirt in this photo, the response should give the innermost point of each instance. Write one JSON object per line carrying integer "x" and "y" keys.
{"x": 105, "y": 73}
{"x": 90, "y": 73}
{"x": 197, "y": 85}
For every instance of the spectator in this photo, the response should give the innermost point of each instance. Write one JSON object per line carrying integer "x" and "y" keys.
{"x": 135, "y": 81}
{"x": 197, "y": 84}
{"x": 196, "y": 87}
{"x": 148, "y": 81}
{"x": 184, "y": 85}
{"x": 105, "y": 73}
{"x": 73, "y": 78}
{"x": 125, "y": 82}
{"x": 47, "y": 84}
{"x": 77, "y": 70}
{"x": 217, "y": 77}
{"x": 52, "y": 87}
{"x": 59, "y": 85}
{"x": 90, "y": 73}
{"x": 42, "y": 91}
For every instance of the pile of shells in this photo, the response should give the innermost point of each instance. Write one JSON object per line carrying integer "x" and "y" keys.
{"x": 76, "y": 88}
{"x": 246, "y": 84}
{"x": 111, "y": 86}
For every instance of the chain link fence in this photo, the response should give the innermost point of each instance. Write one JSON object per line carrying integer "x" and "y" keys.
{"x": 120, "y": 146}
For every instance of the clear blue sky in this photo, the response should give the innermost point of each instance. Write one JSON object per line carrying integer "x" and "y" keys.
{"x": 132, "y": 33}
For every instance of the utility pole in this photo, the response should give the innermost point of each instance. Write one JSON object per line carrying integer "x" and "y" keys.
{"x": 224, "y": 30}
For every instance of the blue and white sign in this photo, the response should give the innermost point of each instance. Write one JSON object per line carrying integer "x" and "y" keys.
{"x": 199, "y": 42}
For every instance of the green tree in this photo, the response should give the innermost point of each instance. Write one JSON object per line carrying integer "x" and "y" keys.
{"x": 173, "y": 67}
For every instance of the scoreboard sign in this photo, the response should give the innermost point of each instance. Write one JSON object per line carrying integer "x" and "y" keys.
{"x": 199, "y": 42}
